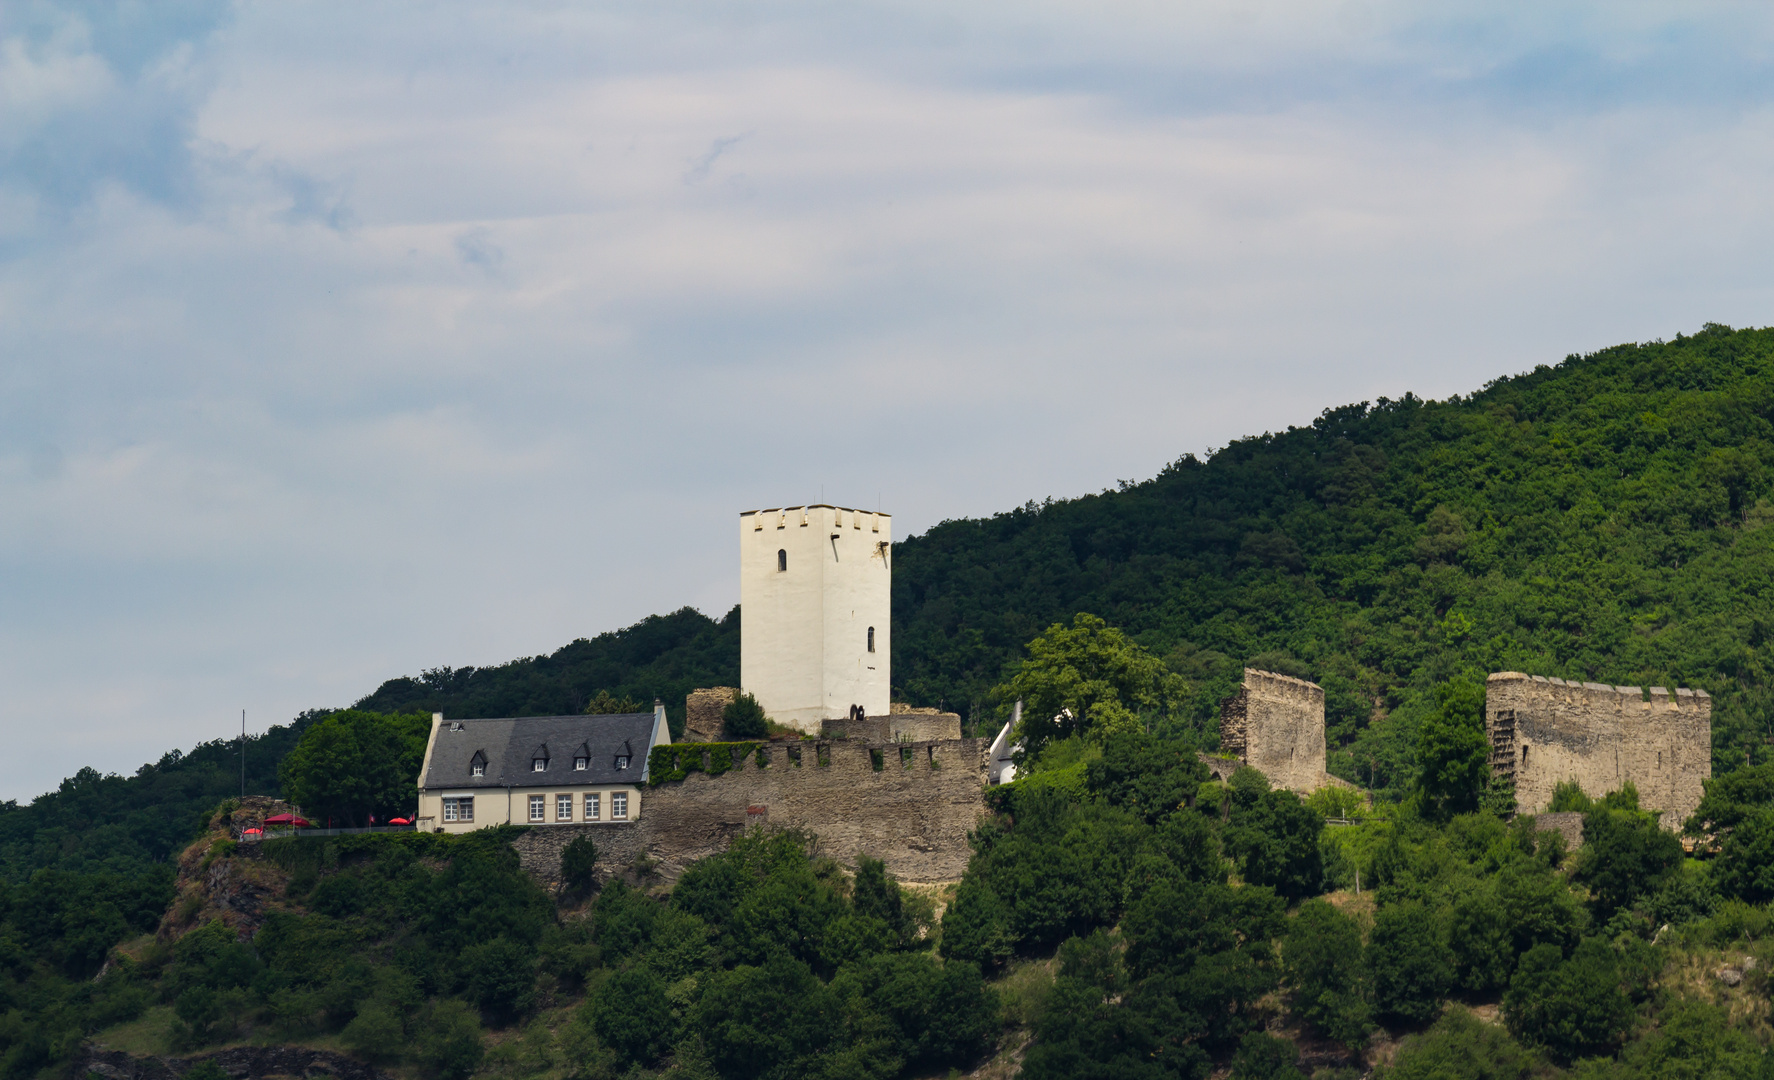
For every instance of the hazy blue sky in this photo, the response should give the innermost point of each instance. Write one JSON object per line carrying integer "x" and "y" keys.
{"x": 341, "y": 340}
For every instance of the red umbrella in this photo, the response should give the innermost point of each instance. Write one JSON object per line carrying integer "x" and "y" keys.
{"x": 287, "y": 819}
{"x": 398, "y": 821}
{"x": 245, "y": 831}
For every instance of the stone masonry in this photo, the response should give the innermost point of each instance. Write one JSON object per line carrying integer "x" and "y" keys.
{"x": 1545, "y": 731}
{"x": 703, "y": 711}
{"x": 1275, "y": 724}
{"x": 903, "y": 724}
{"x": 911, "y": 805}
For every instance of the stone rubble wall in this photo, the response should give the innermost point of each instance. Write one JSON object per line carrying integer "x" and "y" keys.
{"x": 921, "y": 726}
{"x": 1545, "y": 731}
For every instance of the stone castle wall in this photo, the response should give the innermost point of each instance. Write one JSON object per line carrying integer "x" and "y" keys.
{"x": 1275, "y": 724}
{"x": 913, "y": 813}
{"x": 1545, "y": 731}
{"x": 923, "y": 725}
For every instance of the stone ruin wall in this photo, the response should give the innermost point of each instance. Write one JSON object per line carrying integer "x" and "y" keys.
{"x": 703, "y": 711}
{"x": 913, "y": 814}
{"x": 1546, "y": 731}
{"x": 1275, "y": 724}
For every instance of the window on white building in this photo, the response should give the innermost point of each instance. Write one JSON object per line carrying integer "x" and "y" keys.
{"x": 538, "y": 807}
{"x": 579, "y": 763}
{"x": 622, "y": 761}
{"x": 618, "y": 805}
{"x": 539, "y": 764}
{"x": 458, "y": 808}
{"x": 593, "y": 807}
{"x": 781, "y": 560}
{"x": 871, "y": 639}
{"x": 563, "y": 808}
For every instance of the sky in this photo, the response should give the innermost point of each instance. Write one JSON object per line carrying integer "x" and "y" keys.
{"x": 343, "y": 340}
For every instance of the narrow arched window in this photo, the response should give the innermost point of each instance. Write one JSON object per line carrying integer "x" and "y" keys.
{"x": 871, "y": 639}
{"x": 781, "y": 560}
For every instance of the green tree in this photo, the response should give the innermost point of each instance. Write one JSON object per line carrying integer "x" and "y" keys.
{"x": 1322, "y": 961}
{"x": 1146, "y": 774}
{"x": 1744, "y": 869}
{"x": 579, "y": 865}
{"x": 606, "y": 704}
{"x": 354, "y": 764}
{"x": 1453, "y": 754}
{"x": 1573, "y": 1008}
{"x": 1460, "y": 1046}
{"x": 633, "y": 1016}
{"x": 768, "y": 1020}
{"x": 1275, "y": 839}
{"x": 1266, "y": 1057}
{"x": 1409, "y": 963}
{"x": 1090, "y": 678}
{"x": 744, "y": 718}
{"x": 499, "y": 976}
{"x": 1625, "y": 856}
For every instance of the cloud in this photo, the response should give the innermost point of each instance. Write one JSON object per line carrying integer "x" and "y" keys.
{"x": 337, "y": 343}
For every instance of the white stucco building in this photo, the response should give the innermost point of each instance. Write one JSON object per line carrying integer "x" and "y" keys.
{"x": 816, "y": 598}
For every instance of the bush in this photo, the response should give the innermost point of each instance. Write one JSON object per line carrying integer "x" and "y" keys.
{"x": 1323, "y": 964}
{"x": 633, "y": 1016}
{"x": 1574, "y": 1008}
{"x": 500, "y": 977}
{"x": 769, "y": 1019}
{"x": 449, "y": 1042}
{"x": 744, "y": 718}
{"x": 1266, "y": 1057}
{"x": 1625, "y": 856}
{"x": 1409, "y": 963}
{"x": 579, "y": 865}
{"x": 375, "y": 1034}
{"x": 1461, "y": 1047}
{"x": 1275, "y": 838}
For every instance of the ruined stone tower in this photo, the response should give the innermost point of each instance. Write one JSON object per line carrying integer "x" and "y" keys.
{"x": 1545, "y": 731}
{"x": 1275, "y": 724}
{"x": 815, "y": 594}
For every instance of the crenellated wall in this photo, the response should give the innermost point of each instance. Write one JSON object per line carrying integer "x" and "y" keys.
{"x": 1275, "y": 724}
{"x": 1545, "y": 731}
{"x": 913, "y": 812}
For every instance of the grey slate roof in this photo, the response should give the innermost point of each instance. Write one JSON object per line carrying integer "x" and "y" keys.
{"x": 511, "y": 744}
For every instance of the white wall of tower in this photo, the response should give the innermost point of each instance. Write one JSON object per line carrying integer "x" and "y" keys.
{"x": 803, "y": 642}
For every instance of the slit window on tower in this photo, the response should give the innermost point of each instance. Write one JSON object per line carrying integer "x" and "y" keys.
{"x": 781, "y": 560}
{"x": 871, "y": 639}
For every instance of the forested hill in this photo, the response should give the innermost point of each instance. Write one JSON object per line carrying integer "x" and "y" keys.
{"x": 1603, "y": 519}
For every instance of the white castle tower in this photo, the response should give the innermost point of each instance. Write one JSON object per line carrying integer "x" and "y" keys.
{"x": 816, "y": 596}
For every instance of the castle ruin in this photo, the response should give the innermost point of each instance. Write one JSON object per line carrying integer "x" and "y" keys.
{"x": 1546, "y": 731}
{"x": 1275, "y": 724}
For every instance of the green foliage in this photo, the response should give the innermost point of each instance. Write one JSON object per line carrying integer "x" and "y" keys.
{"x": 579, "y": 865}
{"x": 1274, "y": 836}
{"x": 1460, "y": 1046}
{"x": 744, "y": 718}
{"x": 674, "y": 761}
{"x": 766, "y": 1021}
{"x": 1744, "y": 869}
{"x": 1322, "y": 961}
{"x": 449, "y": 1044}
{"x": 355, "y": 764}
{"x": 1604, "y": 518}
{"x": 1266, "y": 1057}
{"x": 1409, "y": 963}
{"x": 633, "y": 1015}
{"x": 500, "y": 977}
{"x": 1568, "y": 797}
{"x": 1625, "y": 856}
{"x": 1090, "y": 679}
{"x": 661, "y": 657}
{"x": 1144, "y": 774}
{"x": 1453, "y": 752}
{"x": 605, "y": 704}
{"x": 1572, "y": 1008}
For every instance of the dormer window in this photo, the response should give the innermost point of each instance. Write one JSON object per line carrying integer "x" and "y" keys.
{"x": 582, "y": 757}
{"x": 539, "y": 764}
{"x": 477, "y": 765}
{"x": 622, "y": 761}
{"x": 477, "y": 770}
{"x": 580, "y": 763}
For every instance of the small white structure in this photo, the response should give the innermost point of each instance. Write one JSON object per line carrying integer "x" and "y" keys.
{"x": 816, "y": 602}
{"x": 1000, "y": 762}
